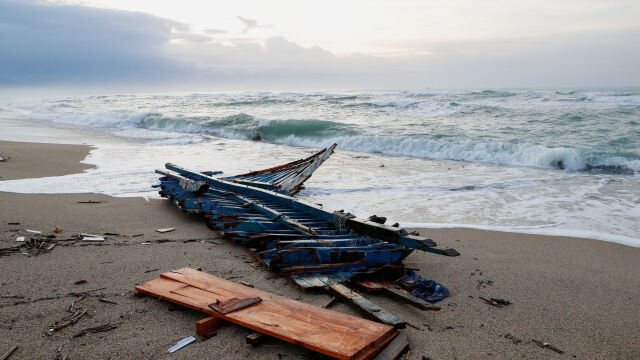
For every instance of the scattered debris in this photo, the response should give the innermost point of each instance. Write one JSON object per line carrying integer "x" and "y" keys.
{"x": 89, "y": 202}
{"x": 8, "y": 353}
{"x": 165, "y": 230}
{"x": 13, "y": 223}
{"x": 514, "y": 339}
{"x": 20, "y": 239}
{"x": 484, "y": 283}
{"x": 107, "y": 301}
{"x": 80, "y": 282}
{"x": 34, "y": 231}
{"x": 92, "y": 237}
{"x": 152, "y": 270}
{"x": 337, "y": 335}
{"x": 544, "y": 344}
{"x": 71, "y": 321}
{"x": 137, "y": 235}
{"x": 501, "y": 301}
{"x": 495, "y": 302}
{"x": 57, "y": 230}
{"x": 182, "y": 343}
{"x": 97, "y": 329}
{"x": 145, "y": 243}
{"x": 233, "y": 304}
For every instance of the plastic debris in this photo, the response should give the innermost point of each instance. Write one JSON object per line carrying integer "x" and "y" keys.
{"x": 495, "y": 301}
{"x": 92, "y": 237}
{"x": 182, "y": 343}
{"x": 34, "y": 231}
{"x": 544, "y": 344}
{"x": 427, "y": 290}
{"x": 20, "y": 239}
{"x": 165, "y": 230}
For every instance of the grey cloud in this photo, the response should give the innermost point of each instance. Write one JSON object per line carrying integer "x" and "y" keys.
{"x": 215, "y": 31}
{"x": 44, "y": 43}
{"x": 54, "y": 44}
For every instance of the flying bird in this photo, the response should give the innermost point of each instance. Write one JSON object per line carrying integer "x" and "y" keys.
{"x": 250, "y": 24}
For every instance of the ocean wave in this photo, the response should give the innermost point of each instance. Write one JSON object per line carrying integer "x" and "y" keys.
{"x": 320, "y": 133}
{"x": 465, "y": 149}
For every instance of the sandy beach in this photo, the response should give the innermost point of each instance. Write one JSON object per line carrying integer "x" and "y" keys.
{"x": 579, "y": 295}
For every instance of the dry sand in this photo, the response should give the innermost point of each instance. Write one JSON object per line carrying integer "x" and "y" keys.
{"x": 579, "y": 295}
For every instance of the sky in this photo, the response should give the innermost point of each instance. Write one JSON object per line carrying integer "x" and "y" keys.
{"x": 195, "y": 45}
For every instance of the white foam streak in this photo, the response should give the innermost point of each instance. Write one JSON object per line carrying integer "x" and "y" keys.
{"x": 547, "y": 229}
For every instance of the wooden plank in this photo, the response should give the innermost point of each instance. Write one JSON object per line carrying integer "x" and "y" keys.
{"x": 208, "y": 325}
{"x": 366, "y": 306}
{"x": 328, "y": 332}
{"x": 396, "y": 348}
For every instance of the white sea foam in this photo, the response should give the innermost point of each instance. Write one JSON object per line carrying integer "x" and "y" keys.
{"x": 547, "y": 229}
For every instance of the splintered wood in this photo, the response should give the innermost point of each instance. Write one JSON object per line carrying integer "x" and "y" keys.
{"x": 328, "y": 332}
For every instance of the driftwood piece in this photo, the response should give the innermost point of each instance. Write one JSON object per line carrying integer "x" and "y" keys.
{"x": 71, "y": 321}
{"x": 97, "y": 329}
{"x": 8, "y": 353}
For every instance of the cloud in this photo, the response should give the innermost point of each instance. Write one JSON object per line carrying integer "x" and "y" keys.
{"x": 251, "y": 24}
{"x": 45, "y": 44}
{"x": 215, "y": 31}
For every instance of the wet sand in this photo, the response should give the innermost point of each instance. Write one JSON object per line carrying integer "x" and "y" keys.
{"x": 579, "y": 295}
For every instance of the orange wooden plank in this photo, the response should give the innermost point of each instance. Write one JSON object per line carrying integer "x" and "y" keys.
{"x": 208, "y": 325}
{"x": 328, "y": 332}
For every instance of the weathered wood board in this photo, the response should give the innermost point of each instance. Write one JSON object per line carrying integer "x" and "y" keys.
{"x": 328, "y": 332}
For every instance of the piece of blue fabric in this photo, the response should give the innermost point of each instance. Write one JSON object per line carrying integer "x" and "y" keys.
{"x": 427, "y": 290}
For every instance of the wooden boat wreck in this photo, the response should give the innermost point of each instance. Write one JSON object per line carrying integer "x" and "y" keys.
{"x": 287, "y": 178}
{"x": 313, "y": 247}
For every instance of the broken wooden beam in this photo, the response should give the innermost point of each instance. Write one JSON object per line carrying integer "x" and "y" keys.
{"x": 208, "y": 325}
{"x": 364, "y": 304}
{"x": 396, "y": 348}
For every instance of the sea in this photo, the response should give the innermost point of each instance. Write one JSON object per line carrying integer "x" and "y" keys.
{"x": 550, "y": 161}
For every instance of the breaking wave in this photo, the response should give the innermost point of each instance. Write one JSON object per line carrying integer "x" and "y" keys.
{"x": 576, "y": 130}
{"x": 320, "y": 133}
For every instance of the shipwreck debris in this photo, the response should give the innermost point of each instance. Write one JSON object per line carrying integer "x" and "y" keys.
{"x": 9, "y": 352}
{"x": 495, "y": 301}
{"x": 92, "y": 237}
{"x": 98, "y": 329}
{"x": 233, "y": 304}
{"x": 328, "y": 332}
{"x": 74, "y": 318}
{"x": 544, "y": 344}
{"x": 182, "y": 343}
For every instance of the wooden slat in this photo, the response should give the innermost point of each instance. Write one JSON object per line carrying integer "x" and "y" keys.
{"x": 331, "y": 333}
{"x": 396, "y": 348}
{"x": 208, "y": 325}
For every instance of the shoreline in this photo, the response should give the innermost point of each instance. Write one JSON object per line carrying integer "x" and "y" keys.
{"x": 579, "y": 295}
